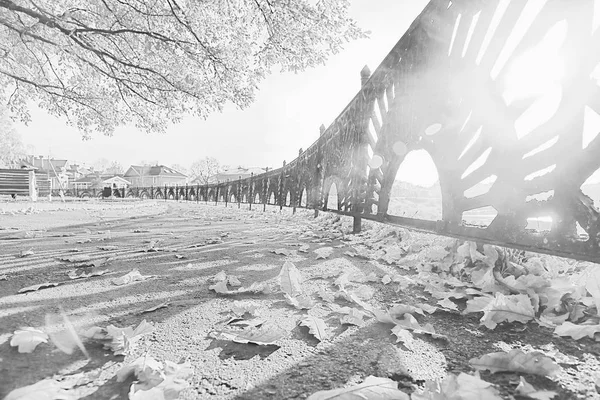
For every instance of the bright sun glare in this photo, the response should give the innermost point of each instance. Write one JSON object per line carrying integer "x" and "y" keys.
{"x": 539, "y": 70}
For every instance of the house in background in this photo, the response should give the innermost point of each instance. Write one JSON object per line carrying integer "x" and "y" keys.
{"x": 233, "y": 174}
{"x": 157, "y": 175}
{"x": 60, "y": 173}
{"x": 100, "y": 181}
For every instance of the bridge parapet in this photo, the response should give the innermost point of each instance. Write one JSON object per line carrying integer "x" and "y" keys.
{"x": 498, "y": 94}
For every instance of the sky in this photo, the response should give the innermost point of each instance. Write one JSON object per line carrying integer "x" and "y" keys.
{"x": 285, "y": 117}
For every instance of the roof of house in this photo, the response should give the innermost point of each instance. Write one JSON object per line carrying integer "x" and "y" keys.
{"x": 155, "y": 170}
{"x": 44, "y": 163}
{"x": 91, "y": 178}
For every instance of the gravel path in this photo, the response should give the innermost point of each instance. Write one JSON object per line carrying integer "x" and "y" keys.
{"x": 183, "y": 246}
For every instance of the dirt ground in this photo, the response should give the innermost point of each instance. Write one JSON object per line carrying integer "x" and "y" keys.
{"x": 182, "y": 246}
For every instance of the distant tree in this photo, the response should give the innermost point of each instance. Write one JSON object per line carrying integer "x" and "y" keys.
{"x": 180, "y": 168}
{"x": 203, "y": 169}
{"x": 12, "y": 149}
{"x": 114, "y": 168}
{"x": 106, "y": 63}
{"x": 101, "y": 164}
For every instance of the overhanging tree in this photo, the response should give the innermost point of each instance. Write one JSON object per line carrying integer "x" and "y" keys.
{"x": 12, "y": 149}
{"x": 105, "y": 63}
{"x": 203, "y": 169}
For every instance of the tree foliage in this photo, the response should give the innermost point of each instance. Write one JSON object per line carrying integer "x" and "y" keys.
{"x": 11, "y": 147}
{"x": 203, "y": 169}
{"x": 105, "y": 63}
{"x": 115, "y": 168}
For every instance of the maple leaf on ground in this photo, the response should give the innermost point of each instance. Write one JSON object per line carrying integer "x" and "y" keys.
{"x": 373, "y": 388}
{"x": 301, "y": 302}
{"x": 316, "y": 327}
{"x": 290, "y": 280}
{"x": 240, "y": 308}
{"x": 461, "y": 387}
{"x": 119, "y": 340}
{"x": 517, "y": 361}
{"x": 323, "y": 252}
{"x": 353, "y": 317}
{"x": 508, "y": 309}
{"x": 156, "y": 380}
{"x": 130, "y": 277}
{"x": 27, "y": 339}
{"x": 448, "y": 304}
{"x": 576, "y": 331}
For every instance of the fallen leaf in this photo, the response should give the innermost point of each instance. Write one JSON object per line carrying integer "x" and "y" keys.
{"x": 34, "y": 288}
{"x": 576, "y": 331}
{"x": 427, "y": 308}
{"x": 158, "y": 307}
{"x": 240, "y": 308}
{"x": 25, "y": 253}
{"x": 316, "y": 327}
{"x": 373, "y": 388}
{"x": 83, "y": 273}
{"x": 290, "y": 280}
{"x": 508, "y": 309}
{"x": 282, "y": 252}
{"x": 323, "y": 252}
{"x": 221, "y": 288}
{"x": 354, "y": 317}
{"x": 461, "y": 387}
{"x": 220, "y": 277}
{"x": 526, "y": 389}
{"x": 517, "y": 361}
{"x": 386, "y": 279}
{"x": 179, "y": 256}
{"x": 404, "y": 336}
{"x": 327, "y": 296}
{"x": 133, "y": 276}
{"x": 3, "y": 277}
{"x": 48, "y": 389}
{"x": 27, "y": 339}
{"x": 265, "y": 335}
{"x": 155, "y": 380}
{"x": 448, "y": 304}
{"x": 74, "y": 259}
{"x": 120, "y": 340}
{"x": 251, "y": 323}
{"x": 301, "y": 302}
{"x": 364, "y": 292}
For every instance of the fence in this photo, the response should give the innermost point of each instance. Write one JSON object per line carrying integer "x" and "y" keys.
{"x": 498, "y": 94}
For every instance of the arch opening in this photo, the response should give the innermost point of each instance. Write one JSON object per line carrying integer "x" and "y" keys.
{"x": 303, "y": 201}
{"x": 416, "y": 191}
{"x": 332, "y": 199}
